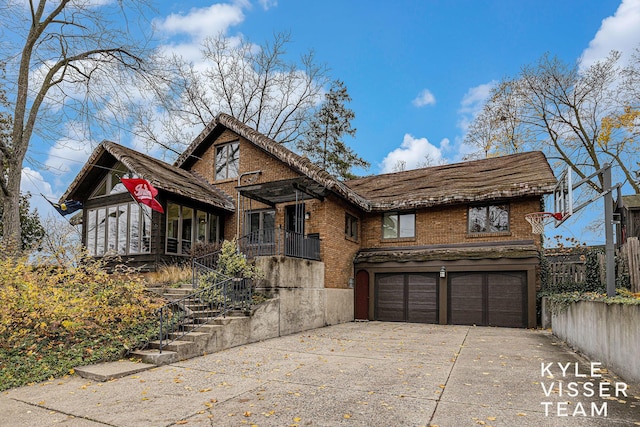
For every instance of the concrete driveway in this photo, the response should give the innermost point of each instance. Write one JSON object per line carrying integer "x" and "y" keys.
{"x": 354, "y": 374}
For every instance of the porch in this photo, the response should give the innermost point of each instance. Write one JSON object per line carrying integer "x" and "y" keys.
{"x": 279, "y": 241}
{"x": 265, "y": 232}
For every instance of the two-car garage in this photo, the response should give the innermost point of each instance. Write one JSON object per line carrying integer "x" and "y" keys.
{"x": 482, "y": 298}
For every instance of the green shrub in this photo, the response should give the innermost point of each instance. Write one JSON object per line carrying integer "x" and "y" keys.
{"x": 53, "y": 318}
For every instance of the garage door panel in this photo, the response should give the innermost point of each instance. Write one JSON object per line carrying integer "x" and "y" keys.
{"x": 490, "y": 299}
{"x": 407, "y": 297}
{"x": 422, "y": 300}
{"x": 506, "y": 302}
{"x": 390, "y": 298}
{"x": 466, "y": 299}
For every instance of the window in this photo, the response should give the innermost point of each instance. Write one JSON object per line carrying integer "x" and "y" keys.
{"x": 111, "y": 184}
{"x": 351, "y": 227}
{"x": 227, "y": 161}
{"x": 261, "y": 226}
{"x": 122, "y": 229}
{"x": 398, "y": 225}
{"x": 489, "y": 218}
{"x": 186, "y": 226}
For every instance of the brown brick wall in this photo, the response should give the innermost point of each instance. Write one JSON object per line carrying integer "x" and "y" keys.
{"x": 448, "y": 225}
{"x": 338, "y": 251}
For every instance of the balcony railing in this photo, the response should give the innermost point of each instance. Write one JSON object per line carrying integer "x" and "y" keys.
{"x": 278, "y": 241}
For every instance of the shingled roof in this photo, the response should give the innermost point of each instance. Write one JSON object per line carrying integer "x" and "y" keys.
{"x": 161, "y": 175}
{"x": 516, "y": 175}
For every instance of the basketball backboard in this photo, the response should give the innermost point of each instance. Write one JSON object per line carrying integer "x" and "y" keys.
{"x": 563, "y": 196}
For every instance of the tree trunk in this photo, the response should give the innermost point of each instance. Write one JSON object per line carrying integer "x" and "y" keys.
{"x": 11, "y": 210}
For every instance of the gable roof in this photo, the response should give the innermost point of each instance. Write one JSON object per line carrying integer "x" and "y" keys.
{"x": 516, "y": 175}
{"x": 298, "y": 163}
{"x": 161, "y": 175}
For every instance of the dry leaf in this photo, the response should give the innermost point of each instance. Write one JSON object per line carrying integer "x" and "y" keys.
{"x": 297, "y": 419}
{"x": 347, "y": 416}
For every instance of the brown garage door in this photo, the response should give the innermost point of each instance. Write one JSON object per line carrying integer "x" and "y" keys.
{"x": 407, "y": 297}
{"x": 488, "y": 299}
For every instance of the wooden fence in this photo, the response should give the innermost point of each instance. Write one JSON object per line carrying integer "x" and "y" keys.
{"x": 575, "y": 271}
{"x": 630, "y": 251}
{"x": 567, "y": 272}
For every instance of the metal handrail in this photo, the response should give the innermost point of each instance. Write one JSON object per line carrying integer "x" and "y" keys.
{"x": 225, "y": 294}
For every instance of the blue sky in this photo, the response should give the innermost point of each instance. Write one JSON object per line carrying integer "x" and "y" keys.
{"x": 417, "y": 71}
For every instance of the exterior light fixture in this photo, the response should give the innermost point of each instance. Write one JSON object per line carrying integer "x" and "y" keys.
{"x": 307, "y": 215}
{"x": 443, "y": 272}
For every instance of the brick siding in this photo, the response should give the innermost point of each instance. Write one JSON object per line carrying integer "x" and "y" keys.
{"x": 448, "y": 225}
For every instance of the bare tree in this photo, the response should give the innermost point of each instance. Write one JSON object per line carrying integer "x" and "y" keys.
{"x": 254, "y": 84}
{"x": 399, "y": 166}
{"x": 64, "y": 60}
{"x": 581, "y": 118}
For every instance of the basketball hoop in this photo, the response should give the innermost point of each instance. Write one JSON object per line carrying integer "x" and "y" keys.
{"x": 539, "y": 219}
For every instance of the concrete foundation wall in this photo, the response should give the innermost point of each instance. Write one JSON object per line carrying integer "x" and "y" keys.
{"x": 300, "y": 302}
{"x": 339, "y": 306}
{"x": 606, "y": 333}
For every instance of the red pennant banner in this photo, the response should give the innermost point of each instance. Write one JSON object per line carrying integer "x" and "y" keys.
{"x": 143, "y": 192}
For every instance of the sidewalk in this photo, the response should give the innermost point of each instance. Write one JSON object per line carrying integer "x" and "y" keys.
{"x": 354, "y": 374}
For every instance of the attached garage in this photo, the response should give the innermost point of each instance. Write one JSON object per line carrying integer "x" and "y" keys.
{"x": 482, "y": 284}
{"x": 488, "y": 299}
{"x": 406, "y": 297}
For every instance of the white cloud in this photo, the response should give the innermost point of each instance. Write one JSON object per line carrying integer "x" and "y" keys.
{"x": 200, "y": 23}
{"x": 424, "y": 98}
{"x": 69, "y": 154}
{"x": 474, "y": 99}
{"x": 619, "y": 32}
{"x": 472, "y": 103}
{"x": 414, "y": 152}
{"x": 268, "y": 4}
{"x": 33, "y": 182}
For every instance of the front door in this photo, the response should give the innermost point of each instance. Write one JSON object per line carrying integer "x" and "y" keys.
{"x": 362, "y": 295}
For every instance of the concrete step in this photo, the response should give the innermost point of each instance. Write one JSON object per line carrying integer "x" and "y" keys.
{"x": 229, "y": 319}
{"x": 194, "y": 306}
{"x": 111, "y": 370}
{"x": 204, "y": 313}
{"x": 202, "y": 327}
{"x": 153, "y": 356}
{"x": 184, "y": 349}
{"x": 203, "y": 320}
{"x": 190, "y": 336}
